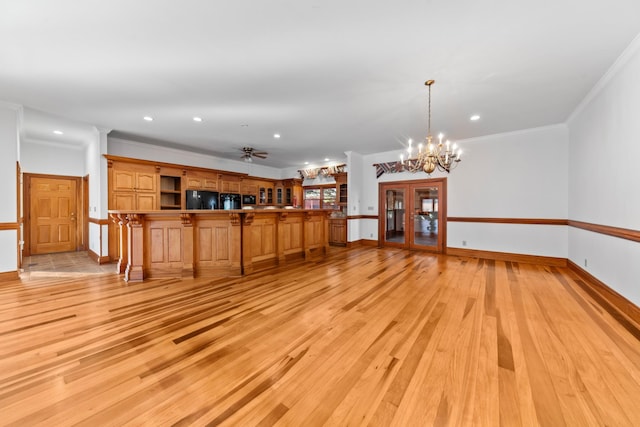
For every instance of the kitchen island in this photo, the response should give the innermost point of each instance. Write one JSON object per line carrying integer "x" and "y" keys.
{"x": 215, "y": 243}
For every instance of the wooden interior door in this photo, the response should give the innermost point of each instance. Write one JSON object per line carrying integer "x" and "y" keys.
{"x": 53, "y": 214}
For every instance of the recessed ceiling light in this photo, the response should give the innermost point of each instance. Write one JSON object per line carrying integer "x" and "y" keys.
{"x": 148, "y": 118}
{"x": 58, "y": 132}
{"x": 197, "y": 119}
{"x": 306, "y": 163}
{"x": 276, "y": 135}
{"x": 474, "y": 118}
{"x": 326, "y": 159}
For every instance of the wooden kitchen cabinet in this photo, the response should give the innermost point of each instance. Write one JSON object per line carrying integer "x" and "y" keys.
{"x": 229, "y": 183}
{"x": 338, "y": 231}
{"x": 201, "y": 181}
{"x": 292, "y": 192}
{"x": 133, "y": 186}
{"x": 249, "y": 187}
{"x": 129, "y": 178}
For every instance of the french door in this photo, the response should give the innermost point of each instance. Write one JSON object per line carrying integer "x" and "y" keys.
{"x": 413, "y": 214}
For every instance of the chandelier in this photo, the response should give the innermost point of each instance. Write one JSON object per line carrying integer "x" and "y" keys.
{"x": 427, "y": 158}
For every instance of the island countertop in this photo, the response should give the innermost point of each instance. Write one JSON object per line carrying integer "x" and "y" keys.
{"x": 216, "y": 243}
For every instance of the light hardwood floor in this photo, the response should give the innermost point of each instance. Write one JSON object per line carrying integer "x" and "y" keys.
{"x": 365, "y": 336}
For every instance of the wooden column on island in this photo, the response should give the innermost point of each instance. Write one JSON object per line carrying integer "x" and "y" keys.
{"x": 135, "y": 248}
{"x": 123, "y": 245}
{"x": 247, "y": 252}
{"x": 187, "y": 244}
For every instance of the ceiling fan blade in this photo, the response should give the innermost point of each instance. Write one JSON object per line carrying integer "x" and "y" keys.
{"x": 248, "y": 152}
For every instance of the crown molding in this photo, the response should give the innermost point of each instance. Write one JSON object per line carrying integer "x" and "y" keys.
{"x": 557, "y": 126}
{"x": 102, "y": 130}
{"x": 11, "y": 106}
{"x": 70, "y": 146}
{"x": 617, "y": 66}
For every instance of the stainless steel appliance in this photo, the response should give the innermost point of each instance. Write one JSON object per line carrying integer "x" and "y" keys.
{"x": 202, "y": 199}
{"x": 229, "y": 201}
{"x": 248, "y": 199}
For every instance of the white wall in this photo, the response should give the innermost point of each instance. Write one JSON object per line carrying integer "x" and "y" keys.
{"x": 604, "y": 148}
{"x": 96, "y": 169}
{"x": 354, "y": 194}
{"x": 512, "y": 175}
{"x": 45, "y": 157}
{"x": 138, "y": 150}
{"x": 93, "y": 167}
{"x": 9, "y": 148}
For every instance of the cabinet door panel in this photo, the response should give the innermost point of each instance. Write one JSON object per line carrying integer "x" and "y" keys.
{"x": 210, "y": 183}
{"x": 250, "y": 189}
{"x": 146, "y": 202}
{"x": 124, "y": 201}
{"x": 146, "y": 181}
{"x": 194, "y": 183}
{"x": 123, "y": 180}
{"x": 231, "y": 187}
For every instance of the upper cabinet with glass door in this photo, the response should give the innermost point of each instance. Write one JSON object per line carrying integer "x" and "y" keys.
{"x": 329, "y": 198}
{"x": 312, "y": 198}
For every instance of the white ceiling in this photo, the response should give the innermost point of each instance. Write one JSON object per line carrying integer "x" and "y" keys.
{"x": 330, "y": 76}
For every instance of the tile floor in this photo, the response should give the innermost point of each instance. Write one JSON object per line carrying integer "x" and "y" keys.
{"x": 63, "y": 264}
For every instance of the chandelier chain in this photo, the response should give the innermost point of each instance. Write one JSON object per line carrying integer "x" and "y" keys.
{"x": 429, "y": 121}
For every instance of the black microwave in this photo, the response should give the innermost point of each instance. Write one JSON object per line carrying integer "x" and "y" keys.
{"x": 248, "y": 199}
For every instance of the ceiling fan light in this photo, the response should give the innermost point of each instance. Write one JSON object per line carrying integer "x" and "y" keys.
{"x": 249, "y": 152}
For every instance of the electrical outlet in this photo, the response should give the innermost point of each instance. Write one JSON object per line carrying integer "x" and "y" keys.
{"x": 585, "y": 262}
{"x": 370, "y": 234}
{"x": 369, "y": 208}
{"x": 464, "y": 243}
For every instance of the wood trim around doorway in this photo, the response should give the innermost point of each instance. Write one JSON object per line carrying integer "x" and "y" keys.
{"x": 19, "y": 235}
{"x": 85, "y": 213}
{"x": 27, "y": 209}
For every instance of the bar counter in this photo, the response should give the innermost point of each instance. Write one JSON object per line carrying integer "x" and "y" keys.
{"x": 215, "y": 243}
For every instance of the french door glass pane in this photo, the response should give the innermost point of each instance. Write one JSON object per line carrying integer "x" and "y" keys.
{"x": 425, "y": 216}
{"x": 394, "y": 213}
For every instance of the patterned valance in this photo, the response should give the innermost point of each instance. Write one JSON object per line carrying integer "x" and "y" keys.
{"x": 389, "y": 167}
{"x": 325, "y": 171}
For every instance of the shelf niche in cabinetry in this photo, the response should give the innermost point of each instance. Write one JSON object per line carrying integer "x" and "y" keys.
{"x": 170, "y": 192}
{"x": 341, "y": 187}
{"x": 343, "y": 194}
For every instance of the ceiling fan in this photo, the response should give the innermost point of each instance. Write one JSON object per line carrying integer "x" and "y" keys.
{"x": 248, "y": 153}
